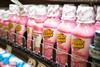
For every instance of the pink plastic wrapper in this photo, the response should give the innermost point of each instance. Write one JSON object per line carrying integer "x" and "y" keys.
{"x": 63, "y": 41}
{"x": 20, "y": 29}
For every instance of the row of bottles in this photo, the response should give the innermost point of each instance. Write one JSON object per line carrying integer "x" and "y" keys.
{"x": 53, "y": 27}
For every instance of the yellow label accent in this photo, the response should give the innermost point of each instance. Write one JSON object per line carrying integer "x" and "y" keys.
{"x": 61, "y": 38}
{"x": 5, "y": 28}
{"x": 78, "y": 43}
{"x": 10, "y": 26}
{"x": 47, "y": 33}
{"x": 28, "y": 30}
{"x": 18, "y": 28}
{"x": 1, "y": 25}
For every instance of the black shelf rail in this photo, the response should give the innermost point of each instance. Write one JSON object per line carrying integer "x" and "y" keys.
{"x": 24, "y": 54}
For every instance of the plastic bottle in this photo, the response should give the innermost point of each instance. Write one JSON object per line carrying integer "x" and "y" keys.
{"x": 21, "y": 28}
{"x": 94, "y": 50}
{"x": 29, "y": 27}
{"x": 5, "y": 23}
{"x": 40, "y": 17}
{"x": 1, "y": 21}
{"x": 13, "y": 19}
{"x": 82, "y": 36}
{"x": 64, "y": 33}
{"x": 50, "y": 30}
{"x": 97, "y": 24}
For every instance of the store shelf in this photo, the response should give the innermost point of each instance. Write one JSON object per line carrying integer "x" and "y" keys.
{"x": 6, "y": 4}
{"x": 25, "y": 54}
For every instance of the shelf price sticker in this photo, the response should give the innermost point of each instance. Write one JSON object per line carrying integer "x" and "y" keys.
{"x": 32, "y": 62}
{"x": 41, "y": 65}
{"x": 9, "y": 48}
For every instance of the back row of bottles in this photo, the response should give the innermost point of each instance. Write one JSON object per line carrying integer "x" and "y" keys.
{"x": 55, "y": 31}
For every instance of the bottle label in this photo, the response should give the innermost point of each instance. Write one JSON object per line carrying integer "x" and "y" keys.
{"x": 80, "y": 50}
{"x": 61, "y": 38}
{"x": 47, "y": 33}
{"x": 28, "y": 29}
{"x": 78, "y": 43}
{"x": 1, "y": 26}
{"x": 18, "y": 28}
{"x": 5, "y": 28}
{"x": 38, "y": 39}
{"x": 10, "y": 26}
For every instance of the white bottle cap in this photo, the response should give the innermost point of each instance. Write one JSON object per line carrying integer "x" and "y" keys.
{"x": 85, "y": 14}
{"x": 53, "y": 10}
{"x": 41, "y": 10}
{"x": 26, "y": 9}
{"x": 32, "y": 11}
{"x": 68, "y": 12}
{"x": 98, "y": 13}
{"x": 1, "y": 13}
{"x": 14, "y": 9}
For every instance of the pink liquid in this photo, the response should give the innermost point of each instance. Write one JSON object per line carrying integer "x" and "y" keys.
{"x": 30, "y": 25}
{"x": 20, "y": 29}
{"x": 49, "y": 34}
{"x": 80, "y": 41}
{"x": 63, "y": 41}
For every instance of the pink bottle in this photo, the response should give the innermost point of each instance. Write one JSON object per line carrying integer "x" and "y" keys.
{"x": 1, "y": 21}
{"x": 50, "y": 30}
{"x": 64, "y": 33}
{"x": 97, "y": 24}
{"x": 5, "y": 23}
{"x": 82, "y": 36}
{"x": 13, "y": 19}
{"x": 30, "y": 25}
{"x": 20, "y": 29}
{"x": 39, "y": 18}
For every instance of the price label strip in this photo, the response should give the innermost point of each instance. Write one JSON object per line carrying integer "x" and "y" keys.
{"x": 32, "y": 62}
{"x": 41, "y": 65}
{"x": 9, "y": 48}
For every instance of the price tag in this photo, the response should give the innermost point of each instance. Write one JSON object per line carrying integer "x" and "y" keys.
{"x": 9, "y": 49}
{"x": 32, "y": 62}
{"x": 41, "y": 65}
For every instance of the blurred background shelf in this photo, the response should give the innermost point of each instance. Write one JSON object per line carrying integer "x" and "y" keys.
{"x": 5, "y": 3}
